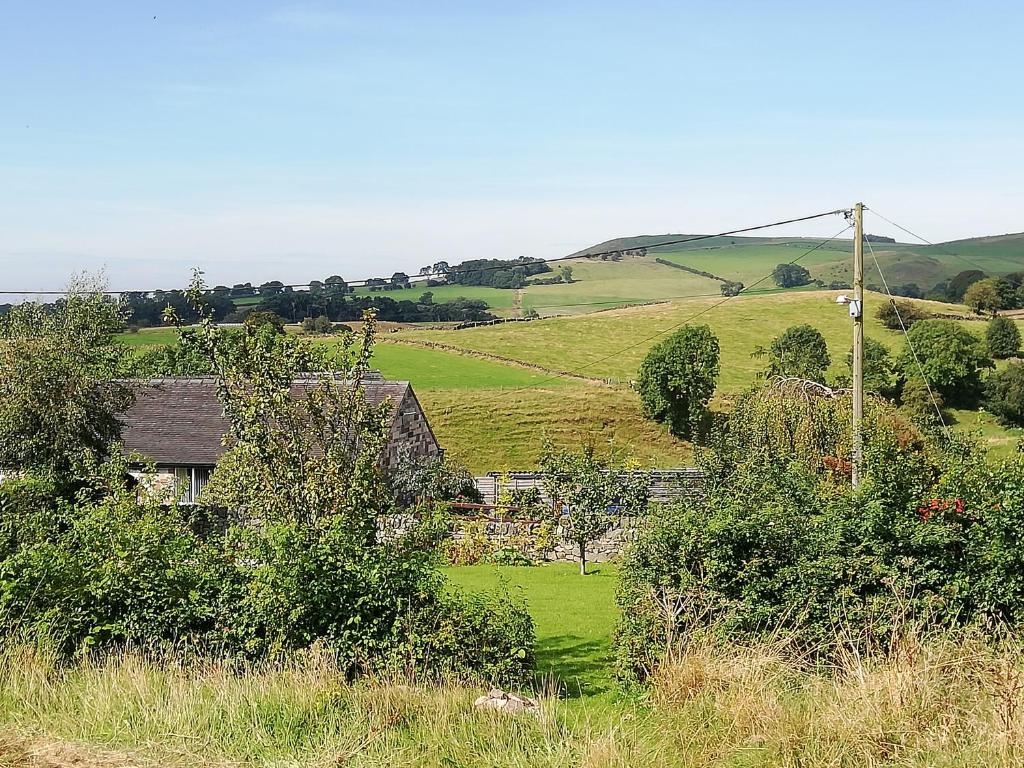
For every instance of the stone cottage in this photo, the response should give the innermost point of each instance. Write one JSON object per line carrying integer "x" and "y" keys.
{"x": 178, "y": 424}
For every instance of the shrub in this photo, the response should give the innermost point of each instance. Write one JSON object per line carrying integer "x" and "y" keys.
{"x": 1004, "y": 395}
{"x": 469, "y": 637}
{"x": 951, "y": 356}
{"x": 677, "y": 379}
{"x": 879, "y": 371}
{"x": 778, "y": 547}
{"x": 890, "y": 314}
{"x": 1002, "y": 336}
{"x": 509, "y": 556}
{"x": 800, "y": 351}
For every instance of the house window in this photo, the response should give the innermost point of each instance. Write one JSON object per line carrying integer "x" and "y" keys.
{"x": 189, "y": 483}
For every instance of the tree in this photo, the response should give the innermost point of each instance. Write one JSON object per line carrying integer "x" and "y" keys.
{"x": 732, "y": 288}
{"x": 1002, "y": 336}
{"x": 59, "y": 397}
{"x": 586, "y": 488}
{"x": 271, "y": 288}
{"x": 399, "y": 280}
{"x": 800, "y": 351}
{"x": 895, "y": 315}
{"x": 261, "y": 318}
{"x": 983, "y": 297}
{"x": 427, "y": 299}
{"x": 335, "y": 285}
{"x": 790, "y": 275}
{"x": 677, "y": 379}
{"x": 1004, "y": 395}
{"x": 879, "y": 371}
{"x": 565, "y": 273}
{"x": 951, "y": 356}
{"x": 958, "y": 285}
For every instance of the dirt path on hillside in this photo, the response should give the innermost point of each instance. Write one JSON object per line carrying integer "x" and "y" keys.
{"x": 500, "y": 359}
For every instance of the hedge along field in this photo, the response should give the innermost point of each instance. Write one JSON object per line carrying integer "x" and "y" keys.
{"x": 496, "y": 298}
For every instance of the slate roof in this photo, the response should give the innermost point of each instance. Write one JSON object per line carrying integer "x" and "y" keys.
{"x": 180, "y": 421}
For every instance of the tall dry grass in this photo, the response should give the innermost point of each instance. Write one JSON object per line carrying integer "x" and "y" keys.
{"x": 935, "y": 702}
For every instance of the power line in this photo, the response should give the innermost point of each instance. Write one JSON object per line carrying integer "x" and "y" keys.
{"x": 689, "y": 319}
{"x": 910, "y": 343}
{"x": 363, "y": 283}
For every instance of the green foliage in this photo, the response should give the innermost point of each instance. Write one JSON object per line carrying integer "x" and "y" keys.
{"x": 1004, "y": 394}
{"x": 1002, "y": 337}
{"x": 984, "y": 297}
{"x": 59, "y": 401}
{"x": 439, "y": 479}
{"x": 317, "y": 325}
{"x": 782, "y": 544}
{"x": 879, "y": 369}
{"x": 260, "y": 318}
{"x": 951, "y": 358}
{"x": 587, "y": 488}
{"x": 677, "y": 379}
{"x": 790, "y": 275}
{"x": 922, "y": 405}
{"x": 957, "y": 286}
{"x": 509, "y": 556}
{"x": 106, "y": 569}
{"x": 799, "y": 352}
{"x": 894, "y": 311}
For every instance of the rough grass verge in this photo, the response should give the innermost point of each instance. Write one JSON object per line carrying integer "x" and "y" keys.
{"x": 942, "y": 701}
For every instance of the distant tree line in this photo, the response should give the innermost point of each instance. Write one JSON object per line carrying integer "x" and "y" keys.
{"x": 497, "y": 273}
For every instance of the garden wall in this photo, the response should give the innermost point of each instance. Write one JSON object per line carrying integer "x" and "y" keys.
{"x": 539, "y": 540}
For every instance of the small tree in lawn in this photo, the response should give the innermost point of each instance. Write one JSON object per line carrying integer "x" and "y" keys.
{"x": 586, "y": 488}
{"x": 677, "y": 379}
{"x": 800, "y": 351}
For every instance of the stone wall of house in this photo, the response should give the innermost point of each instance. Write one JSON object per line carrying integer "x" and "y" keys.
{"x": 411, "y": 432}
{"x": 538, "y": 540}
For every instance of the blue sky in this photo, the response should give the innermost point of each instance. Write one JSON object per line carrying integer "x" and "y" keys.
{"x": 267, "y": 140}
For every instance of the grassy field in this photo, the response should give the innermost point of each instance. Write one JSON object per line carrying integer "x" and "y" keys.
{"x": 431, "y": 369}
{"x": 149, "y": 337}
{"x": 494, "y": 430}
{"x": 613, "y": 344}
{"x": 573, "y": 636}
{"x": 938, "y": 701}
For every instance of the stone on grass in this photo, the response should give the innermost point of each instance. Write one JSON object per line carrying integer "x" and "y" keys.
{"x": 501, "y": 701}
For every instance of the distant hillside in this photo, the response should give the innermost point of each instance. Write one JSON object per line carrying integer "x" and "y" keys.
{"x": 750, "y": 258}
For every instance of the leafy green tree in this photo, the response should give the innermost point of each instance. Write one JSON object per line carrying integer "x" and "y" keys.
{"x": 790, "y": 275}
{"x": 565, "y": 272}
{"x": 677, "y": 379}
{"x": 983, "y": 297}
{"x": 1002, "y": 336}
{"x": 951, "y": 356}
{"x": 799, "y": 352}
{"x": 587, "y": 488}
{"x": 1004, "y": 395}
{"x": 260, "y": 318}
{"x": 923, "y": 405}
{"x": 59, "y": 397}
{"x": 879, "y": 369}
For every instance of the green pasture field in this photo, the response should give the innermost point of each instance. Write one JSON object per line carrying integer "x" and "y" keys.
{"x": 574, "y": 618}
{"x": 149, "y": 337}
{"x": 613, "y": 344}
{"x": 498, "y": 430}
{"x": 430, "y": 369}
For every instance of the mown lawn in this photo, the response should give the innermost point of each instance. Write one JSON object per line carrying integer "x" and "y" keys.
{"x": 574, "y": 618}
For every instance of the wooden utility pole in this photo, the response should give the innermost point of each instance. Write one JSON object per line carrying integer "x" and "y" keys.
{"x": 857, "y": 312}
